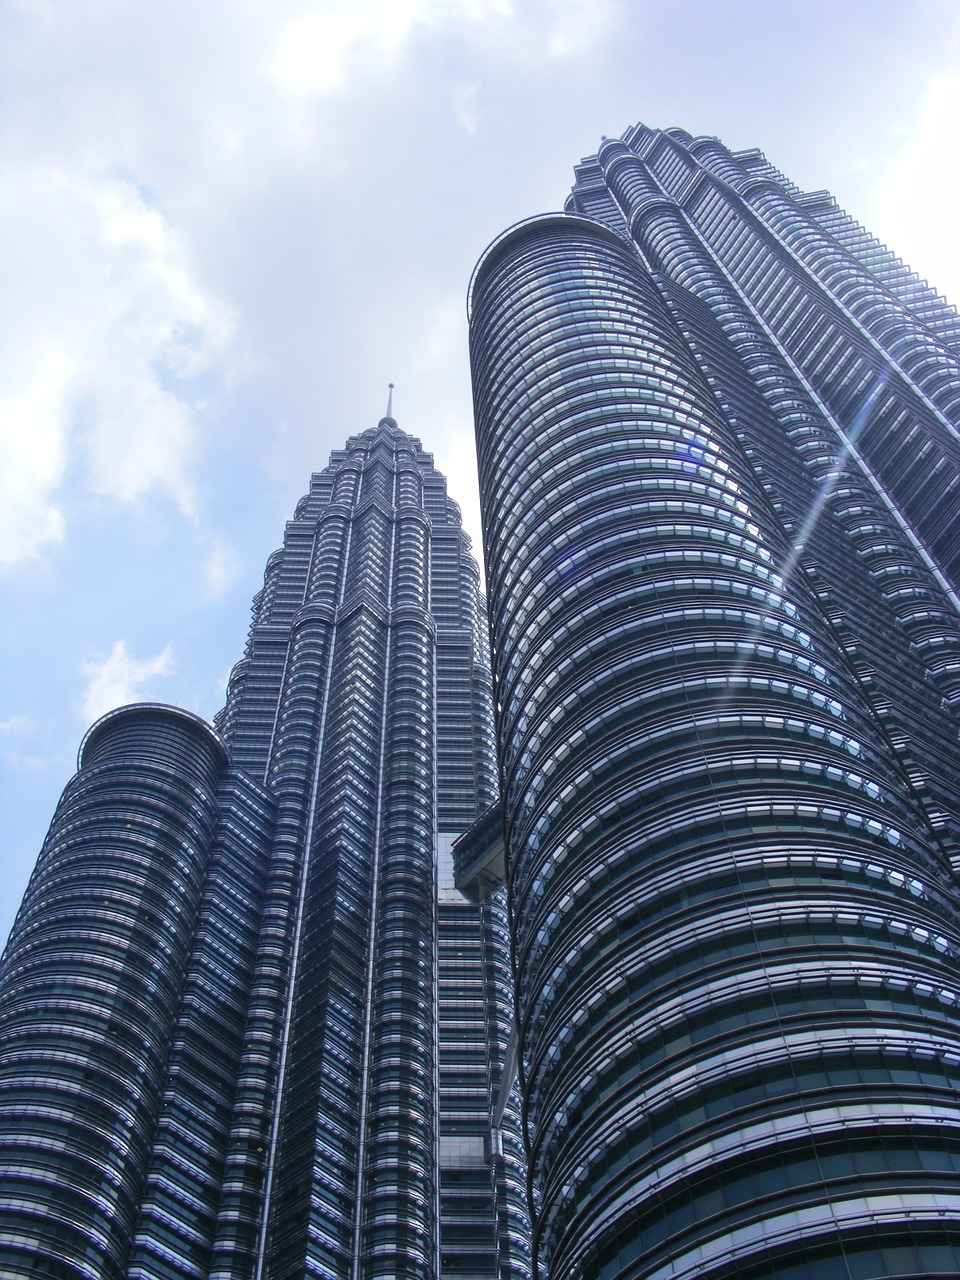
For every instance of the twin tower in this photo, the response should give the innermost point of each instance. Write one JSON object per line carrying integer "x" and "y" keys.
{"x": 622, "y": 945}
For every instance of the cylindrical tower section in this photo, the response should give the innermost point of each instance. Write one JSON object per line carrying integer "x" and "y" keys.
{"x": 729, "y": 932}
{"x": 90, "y": 986}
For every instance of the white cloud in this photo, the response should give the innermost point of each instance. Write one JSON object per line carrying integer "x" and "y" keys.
{"x": 220, "y": 567}
{"x": 32, "y": 453}
{"x": 221, "y": 109}
{"x": 577, "y": 25}
{"x": 465, "y": 101}
{"x": 313, "y": 49}
{"x": 923, "y": 229}
{"x": 16, "y": 725}
{"x": 313, "y": 46}
{"x": 120, "y": 678}
{"x": 96, "y": 357}
{"x": 17, "y": 735}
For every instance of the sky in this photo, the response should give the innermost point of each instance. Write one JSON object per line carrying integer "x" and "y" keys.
{"x": 225, "y": 228}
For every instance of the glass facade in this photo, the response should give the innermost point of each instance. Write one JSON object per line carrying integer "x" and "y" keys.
{"x": 122, "y": 993}
{"x": 247, "y": 1030}
{"x": 711, "y": 416}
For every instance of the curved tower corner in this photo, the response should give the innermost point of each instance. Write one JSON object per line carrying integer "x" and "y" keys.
{"x": 90, "y": 989}
{"x": 734, "y": 923}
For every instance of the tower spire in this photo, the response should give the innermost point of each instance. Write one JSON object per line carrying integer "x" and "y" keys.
{"x": 389, "y": 413}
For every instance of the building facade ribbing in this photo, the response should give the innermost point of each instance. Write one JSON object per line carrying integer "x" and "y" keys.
{"x": 718, "y": 457}
{"x": 245, "y": 1031}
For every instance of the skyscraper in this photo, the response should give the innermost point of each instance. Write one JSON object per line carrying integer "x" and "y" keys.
{"x": 719, "y": 463}
{"x": 245, "y": 1030}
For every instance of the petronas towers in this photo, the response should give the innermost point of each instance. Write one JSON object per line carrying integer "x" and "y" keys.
{"x": 607, "y": 928}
